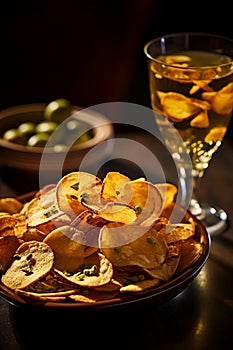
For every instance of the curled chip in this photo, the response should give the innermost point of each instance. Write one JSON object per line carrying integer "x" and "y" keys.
{"x": 132, "y": 245}
{"x": 222, "y": 100}
{"x": 8, "y": 246}
{"x": 10, "y": 205}
{"x": 166, "y": 270}
{"x": 45, "y": 297}
{"x": 201, "y": 84}
{"x": 42, "y": 209}
{"x": 201, "y": 120}
{"x": 179, "y": 232}
{"x": 178, "y": 107}
{"x": 113, "y": 211}
{"x": 68, "y": 247}
{"x": 140, "y": 286}
{"x": 168, "y": 192}
{"x": 32, "y": 260}
{"x": 145, "y": 198}
{"x": 191, "y": 250}
{"x": 91, "y": 296}
{"x": 113, "y": 186}
{"x": 74, "y": 187}
{"x": 96, "y": 271}
{"x": 7, "y": 223}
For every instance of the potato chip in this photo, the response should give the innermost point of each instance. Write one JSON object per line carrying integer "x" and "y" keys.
{"x": 35, "y": 212}
{"x": 74, "y": 187}
{"x": 166, "y": 270}
{"x": 116, "y": 212}
{"x": 92, "y": 296}
{"x": 113, "y": 186}
{"x": 45, "y": 297}
{"x": 145, "y": 198}
{"x": 96, "y": 271}
{"x": 112, "y": 286}
{"x": 32, "y": 260}
{"x": 204, "y": 105}
{"x": 67, "y": 243}
{"x": 222, "y": 102}
{"x": 168, "y": 192}
{"x": 178, "y": 107}
{"x": 126, "y": 245}
{"x": 33, "y": 234}
{"x": 208, "y": 96}
{"x": 161, "y": 94}
{"x": 191, "y": 250}
{"x": 8, "y": 246}
{"x": 7, "y": 223}
{"x": 38, "y": 212}
{"x": 179, "y": 232}
{"x": 140, "y": 286}
{"x": 201, "y": 84}
{"x": 201, "y": 120}
{"x": 21, "y": 225}
{"x": 90, "y": 224}
{"x": 10, "y": 205}
{"x": 174, "y": 213}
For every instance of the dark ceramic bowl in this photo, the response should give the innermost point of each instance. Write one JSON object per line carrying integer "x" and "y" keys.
{"x": 156, "y": 295}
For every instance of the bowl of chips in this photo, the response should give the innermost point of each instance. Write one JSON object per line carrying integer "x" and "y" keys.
{"x": 92, "y": 243}
{"x": 63, "y": 134}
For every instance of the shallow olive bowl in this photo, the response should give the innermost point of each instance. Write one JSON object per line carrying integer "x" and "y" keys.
{"x": 29, "y": 158}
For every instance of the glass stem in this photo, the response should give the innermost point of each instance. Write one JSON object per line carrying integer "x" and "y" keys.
{"x": 195, "y": 206}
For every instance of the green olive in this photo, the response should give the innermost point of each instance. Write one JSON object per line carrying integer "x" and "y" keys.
{"x": 59, "y": 147}
{"x": 38, "y": 140}
{"x": 27, "y": 129}
{"x": 83, "y": 138}
{"x": 76, "y": 127}
{"x": 46, "y": 126}
{"x": 58, "y": 110}
{"x": 13, "y": 135}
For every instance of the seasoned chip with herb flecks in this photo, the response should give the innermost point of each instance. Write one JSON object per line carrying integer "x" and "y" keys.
{"x": 132, "y": 245}
{"x": 74, "y": 187}
{"x": 32, "y": 260}
{"x": 96, "y": 271}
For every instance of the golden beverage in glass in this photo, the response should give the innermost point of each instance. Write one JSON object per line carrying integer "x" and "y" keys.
{"x": 191, "y": 86}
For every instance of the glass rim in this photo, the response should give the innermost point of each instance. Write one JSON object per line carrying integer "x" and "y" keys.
{"x": 185, "y": 33}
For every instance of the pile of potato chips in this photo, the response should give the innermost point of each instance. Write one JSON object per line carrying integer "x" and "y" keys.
{"x": 86, "y": 240}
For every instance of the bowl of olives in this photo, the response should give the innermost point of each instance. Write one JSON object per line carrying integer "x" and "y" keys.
{"x": 59, "y": 132}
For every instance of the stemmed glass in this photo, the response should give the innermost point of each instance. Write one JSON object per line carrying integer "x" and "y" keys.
{"x": 191, "y": 87}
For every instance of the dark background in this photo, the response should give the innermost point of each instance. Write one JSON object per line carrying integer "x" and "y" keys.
{"x": 90, "y": 51}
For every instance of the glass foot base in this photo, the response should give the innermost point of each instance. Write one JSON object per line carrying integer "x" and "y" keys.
{"x": 214, "y": 218}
